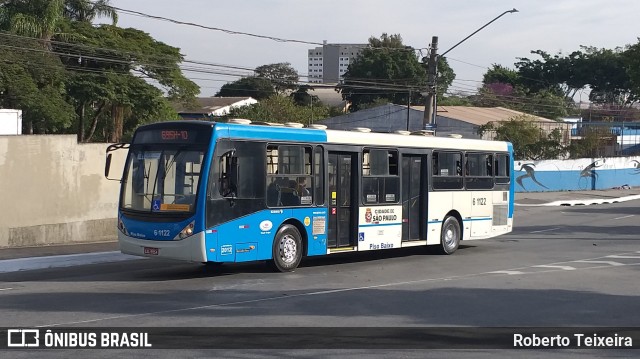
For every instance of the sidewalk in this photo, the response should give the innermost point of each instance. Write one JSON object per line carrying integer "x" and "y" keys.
{"x": 576, "y": 198}
{"x": 567, "y": 198}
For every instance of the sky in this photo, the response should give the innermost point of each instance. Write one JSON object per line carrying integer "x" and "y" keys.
{"x": 558, "y": 26}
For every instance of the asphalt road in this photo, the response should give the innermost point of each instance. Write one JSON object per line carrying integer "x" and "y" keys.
{"x": 561, "y": 266}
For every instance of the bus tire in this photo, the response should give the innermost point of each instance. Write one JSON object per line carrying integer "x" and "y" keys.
{"x": 450, "y": 235}
{"x": 287, "y": 249}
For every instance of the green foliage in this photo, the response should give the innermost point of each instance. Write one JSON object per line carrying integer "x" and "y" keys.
{"x": 280, "y": 109}
{"x": 256, "y": 87}
{"x": 302, "y": 98}
{"x": 607, "y": 72}
{"x": 387, "y": 69}
{"x": 376, "y": 102}
{"x": 529, "y": 141}
{"x": 500, "y": 74}
{"x": 282, "y": 76}
{"x": 592, "y": 144}
{"x": 111, "y": 100}
{"x": 445, "y": 77}
{"x": 503, "y": 87}
{"x": 455, "y": 100}
{"x": 32, "y": 80}
{"x": 93, "y": 83}
{"x": 87, "y": 11}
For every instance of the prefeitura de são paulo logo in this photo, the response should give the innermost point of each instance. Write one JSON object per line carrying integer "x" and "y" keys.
{"x": 367, "y": 215}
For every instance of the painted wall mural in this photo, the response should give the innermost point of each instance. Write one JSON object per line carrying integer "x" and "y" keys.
{"x": 577, "y": 175}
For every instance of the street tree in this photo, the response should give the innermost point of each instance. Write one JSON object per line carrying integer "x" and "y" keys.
{"x": 283, "y": 76}
{"x": 108, "y": 85}
{"x": 34, "y": 82}
{"x": 280, "y": 109}
{"x": 252, "y": 86}
{"x": 530, "y": 142}
{"x": 301, "y": 96}
{"x": 387, "y": 69}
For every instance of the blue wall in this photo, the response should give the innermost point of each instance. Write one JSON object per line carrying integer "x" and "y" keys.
{"x": 576, "y": 175}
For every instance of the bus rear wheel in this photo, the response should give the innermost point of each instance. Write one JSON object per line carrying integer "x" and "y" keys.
{"x": 287, "y": 249}
{"x": 450, "y": 235}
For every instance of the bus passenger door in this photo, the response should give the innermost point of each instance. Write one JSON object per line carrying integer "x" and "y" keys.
{"x": 341, "y": 232}
{"x": 412, "y": 199}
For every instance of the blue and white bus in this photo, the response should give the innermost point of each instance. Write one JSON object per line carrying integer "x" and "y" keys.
{"x": 235, "y": 192}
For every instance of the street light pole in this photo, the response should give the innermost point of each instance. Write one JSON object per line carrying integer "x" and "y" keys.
{"x": 429, "y": 120}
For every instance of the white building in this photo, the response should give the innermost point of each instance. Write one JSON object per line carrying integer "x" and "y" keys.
{"x": 10, "y": 122}
{"x": 328, "y": 63}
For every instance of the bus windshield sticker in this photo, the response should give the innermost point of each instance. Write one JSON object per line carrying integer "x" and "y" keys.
{"x": 372, "y": 198}
{"x": 155, "y": 205}
{"x": 390, "y": 197}
{"x": 148, "y": 155}
{"x": 444, "y": 172}
{"x": 175, "y": 207}
{"x": 319, "y": 225}
{"x": 306, "y": 200}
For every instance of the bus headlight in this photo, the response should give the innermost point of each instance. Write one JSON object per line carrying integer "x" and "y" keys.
{"x": 122, "y": 228}
{"x": 185, "y": 232}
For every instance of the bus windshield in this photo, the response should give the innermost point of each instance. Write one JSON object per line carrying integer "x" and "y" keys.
{"x": 161, "y": 178}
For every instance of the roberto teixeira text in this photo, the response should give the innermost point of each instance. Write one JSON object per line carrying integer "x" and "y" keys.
{"x": 577, "y": 340}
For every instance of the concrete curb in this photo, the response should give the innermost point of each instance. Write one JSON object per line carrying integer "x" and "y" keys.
{"x": 582, "y": 202}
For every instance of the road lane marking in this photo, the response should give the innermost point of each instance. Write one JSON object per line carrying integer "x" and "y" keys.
{"x": 611, "y": 263}
{"x": 509, "y": 272}
{"x": 623, "y": 217}
{"x": 623, "y": 256}
{"x": 555, "y": 266}
{"x": 545, "y": 230}
{"x": 512, "y": 271}
{"x": 1, "y": 289}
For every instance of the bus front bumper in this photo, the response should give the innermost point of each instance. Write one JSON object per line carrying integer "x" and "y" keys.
{"x": 190, "y": 249}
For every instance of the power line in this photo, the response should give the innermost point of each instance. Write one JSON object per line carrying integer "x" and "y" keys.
{"x": 232, "y": 32}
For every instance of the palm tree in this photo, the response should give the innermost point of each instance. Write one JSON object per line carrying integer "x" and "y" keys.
{"x": 87, "y": 11}
{"x": 43, "y": 19}
{"x": 36, "y": 18}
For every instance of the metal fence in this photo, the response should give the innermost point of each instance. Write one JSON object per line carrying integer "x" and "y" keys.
{"x": 591, "y": 139}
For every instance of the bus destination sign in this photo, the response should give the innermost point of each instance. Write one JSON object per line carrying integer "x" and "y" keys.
{"x": 174, "y": 135}
{"x": 170, "y": 135}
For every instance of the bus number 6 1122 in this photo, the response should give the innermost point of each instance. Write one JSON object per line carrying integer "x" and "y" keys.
{"x": 480, "y": 201}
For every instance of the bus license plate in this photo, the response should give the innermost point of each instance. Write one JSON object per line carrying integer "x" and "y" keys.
{"x": 151, "y": 251}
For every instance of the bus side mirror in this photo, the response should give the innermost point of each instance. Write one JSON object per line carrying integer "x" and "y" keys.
{"x": 107, "y": 166}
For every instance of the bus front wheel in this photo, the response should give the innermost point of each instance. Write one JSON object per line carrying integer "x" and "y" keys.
{"x": 450, "y": 235}
{"x": 287, "y": 249}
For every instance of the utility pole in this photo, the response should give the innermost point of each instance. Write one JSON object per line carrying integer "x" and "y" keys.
{"x": 408, "y": 109}
{"x": 428, "y": 120}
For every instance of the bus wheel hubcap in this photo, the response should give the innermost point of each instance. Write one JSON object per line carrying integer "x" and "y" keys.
{"x": 449, "y": 236}
{"x": 288, "y": 249}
